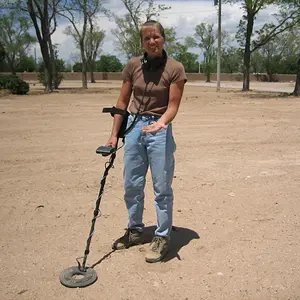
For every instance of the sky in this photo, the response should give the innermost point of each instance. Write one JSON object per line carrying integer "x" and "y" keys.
{"x": 184, "y": 15}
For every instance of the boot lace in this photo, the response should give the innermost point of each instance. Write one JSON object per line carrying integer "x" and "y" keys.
{"x": 157, "y": 243}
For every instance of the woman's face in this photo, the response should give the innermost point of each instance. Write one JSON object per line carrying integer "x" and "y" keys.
{"x": 153, "y": 41}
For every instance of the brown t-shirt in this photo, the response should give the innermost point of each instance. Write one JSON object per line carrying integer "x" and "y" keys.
{"x": 150, "y": 89}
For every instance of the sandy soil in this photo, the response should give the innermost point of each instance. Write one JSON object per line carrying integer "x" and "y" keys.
{"x": 237, "y": 189}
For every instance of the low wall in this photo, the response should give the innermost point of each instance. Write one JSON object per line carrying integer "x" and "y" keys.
{"x": 191, "y": 76}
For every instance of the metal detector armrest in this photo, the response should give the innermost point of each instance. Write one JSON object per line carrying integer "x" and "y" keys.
{"x": 117, "y": 111}
{"x": 114, "y": 111}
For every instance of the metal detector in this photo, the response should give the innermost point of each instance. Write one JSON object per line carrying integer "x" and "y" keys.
{"x": 82, "y": 276}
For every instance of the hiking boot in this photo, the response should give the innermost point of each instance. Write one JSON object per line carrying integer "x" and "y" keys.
{"x": 158, "y": 249}
{"x": 131, "y": 237}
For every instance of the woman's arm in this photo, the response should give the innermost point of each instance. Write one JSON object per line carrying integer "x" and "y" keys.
{"x": 122, "y": 103}
{"x": 176, "y": 91}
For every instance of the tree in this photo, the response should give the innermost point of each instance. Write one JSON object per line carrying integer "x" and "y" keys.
{"x": 279, "y": 56}
{"x": 60, "y": 65}
{"x": 94, "y": 40}
{"x": 106, "y": 63}
{"x": 15, "y": 37}
{"x": 109, "y": 63}
{"x": 43, "y": 15}
{"x": 285, "y": 20}
{"x": 231, "y": 60}
{"x": 188, "y": 59}
{"x": 59, "y": 68}
{"x": 272, "y": 55}
{"x": 27, "y": 64}
{"x": 256, "y": 64}
{"x": 205, "y": 38}
{"x": 171, "y": 42}
{"x": 294, "y": 46}
{"x": 79, "y": 13}
{"x": 2, "y": 58}
{"x": 77, "y": 67}
{"x": 128, "y": 27}
{"x": 296, "y": 91}
{"x": 2, "y": 52}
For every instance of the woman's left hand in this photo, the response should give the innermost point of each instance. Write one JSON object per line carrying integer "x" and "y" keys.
{"x": 154, "y": 127}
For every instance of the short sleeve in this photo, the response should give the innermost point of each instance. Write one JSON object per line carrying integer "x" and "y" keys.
{"x": 178, "y": 73}
{"x": 127, "y": 72}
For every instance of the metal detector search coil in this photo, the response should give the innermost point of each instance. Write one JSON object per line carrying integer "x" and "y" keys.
{"x": 85, "y": 277}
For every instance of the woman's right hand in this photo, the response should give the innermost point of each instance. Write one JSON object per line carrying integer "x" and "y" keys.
{"x": 112, "y": 142}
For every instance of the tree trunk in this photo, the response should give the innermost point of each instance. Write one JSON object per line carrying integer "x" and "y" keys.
{"x": 207, "y": 68}
{"x": 208, "y": 77}
{"x": 84, "y": 74}
{"x": 84, "y": 79}
{"x": 93, "y": 77}
{"x": 92, "y": 68}
{"x": 84, "y": 66}
{"x": 53, "y": 65}
{"x": 43, "y": 38}
{"x": 296, "y": 91}
{"x": 47, "y": 67}
{"x": 247, "y": 52}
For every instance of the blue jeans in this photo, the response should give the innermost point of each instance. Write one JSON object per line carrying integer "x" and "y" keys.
{"x": 141, "y": 151}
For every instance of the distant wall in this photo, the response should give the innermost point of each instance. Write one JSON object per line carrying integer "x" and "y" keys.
{"x": 191, "y": 76}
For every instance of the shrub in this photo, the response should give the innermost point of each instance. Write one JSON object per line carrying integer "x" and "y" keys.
{"x": 14, "y": 84}
{"x": 58, "y": 79}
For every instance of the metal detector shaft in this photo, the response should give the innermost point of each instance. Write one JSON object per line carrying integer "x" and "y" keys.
{"x": 108, "y": 166}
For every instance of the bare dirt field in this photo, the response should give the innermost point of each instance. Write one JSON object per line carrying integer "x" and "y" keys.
{"x": 236, "y": 210}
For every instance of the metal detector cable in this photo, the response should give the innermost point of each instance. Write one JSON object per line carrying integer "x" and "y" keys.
{"x": 108, "y": 166}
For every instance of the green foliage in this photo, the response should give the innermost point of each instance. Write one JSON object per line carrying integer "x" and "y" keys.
{"x": 106, "y": 63}
{"x": 188, "y": 59}
{"x": 77, "y": 67}
{"x": 15, "y": 37}
{"x": 278, "y": 56}
{"x": 60, "y": 67}
{"x": 231, "y": 60}
{"x": 127, "y": 32}
{"x": 257, "y": 65}
{"x": 171, "y": 44}
{"x": 27, "y": 64}
{"x": 94, "y": 41}
{"x": 109, "y": 63}
{"x": 14, "y": 84}
{"x": 289, "y": 65}
{"x": 286, "y": 18}
{"x": 205, "y": 38}
{"x": 82, "y": 16}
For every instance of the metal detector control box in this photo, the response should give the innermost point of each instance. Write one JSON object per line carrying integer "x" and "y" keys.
{"x": 105, "y": 150}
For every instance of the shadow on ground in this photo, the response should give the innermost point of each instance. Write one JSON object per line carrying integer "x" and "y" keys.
{"x": 180, "y": 237}
{"x": 264, "y": 95}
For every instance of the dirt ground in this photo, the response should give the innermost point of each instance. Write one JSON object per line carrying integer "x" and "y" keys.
{"x": 236, "y": 210}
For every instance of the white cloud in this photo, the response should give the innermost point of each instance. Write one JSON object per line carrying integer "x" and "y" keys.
{"x": 183, "y": 15}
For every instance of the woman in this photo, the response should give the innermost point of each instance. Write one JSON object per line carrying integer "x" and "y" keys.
{"x": 156, "y": 83}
